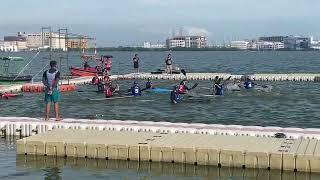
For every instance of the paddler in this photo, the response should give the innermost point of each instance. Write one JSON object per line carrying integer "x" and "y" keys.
{"x": 95, "y": 80}
{"x": 111, "y": 90}
{"x": 218, "y": 88}
{"x": 108, "y": 64}
{"x": 135, "y": 90}
{"x": 183, "y": 88}
{"x": 249, "y": 84}
{"x": 149, "y": 85}
{"x": 101, "y": 85}
{"x": 175, "y": 96}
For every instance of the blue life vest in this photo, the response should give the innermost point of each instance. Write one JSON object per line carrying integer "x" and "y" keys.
{"x": 136, "y": 91}
{"x": 175, "y": 97}
{"x": 219, "y": 90}
{"x": 248, "y": 84}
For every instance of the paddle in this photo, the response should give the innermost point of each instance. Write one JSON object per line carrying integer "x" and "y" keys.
{"x": 183, "y": 72}
{"x": 194, "y": 86}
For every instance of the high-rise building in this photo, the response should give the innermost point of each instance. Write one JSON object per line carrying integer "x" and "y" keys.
{"x": 187, "y": 42}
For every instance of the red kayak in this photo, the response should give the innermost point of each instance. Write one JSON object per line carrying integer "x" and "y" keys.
{"x": 90, "y": 71}
{"x": 9, "y": 95}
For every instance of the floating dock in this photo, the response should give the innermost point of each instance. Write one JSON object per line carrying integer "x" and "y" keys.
{"x": 190, "y": 76}
{"x": 198, "y": 149}
{"x": 199, "y": 144}
{"x": 25, "y": 126}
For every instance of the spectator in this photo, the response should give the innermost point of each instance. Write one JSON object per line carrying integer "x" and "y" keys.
{"x": 136, "y": 63}
{"x": 50, "y": 80}
{"x": 168, "y": 62}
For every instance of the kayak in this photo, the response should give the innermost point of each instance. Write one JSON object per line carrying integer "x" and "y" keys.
{"x": 158, "y": 90}
{"x": 110, "y": 98}
{"x": 9, "y": 95}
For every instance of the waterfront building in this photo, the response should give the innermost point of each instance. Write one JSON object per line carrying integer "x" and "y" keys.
{"x": 290, "y": 42}
{"x": 267, "y": 45}
{"x": 77, "y": 44}
{"x": 187, "y": 42}
{"x": 45, "y": 40}
{"x": 272, "y": 38}
{"x": 147, "y": 45}
{"x": 243, "y": 45}
{"x": 154, "y": 46}
{"x": 15, "y": 43}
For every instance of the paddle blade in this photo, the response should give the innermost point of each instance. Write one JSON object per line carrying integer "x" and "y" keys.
{"x": 194, "y": 86}
{"x": 183, "y": 72}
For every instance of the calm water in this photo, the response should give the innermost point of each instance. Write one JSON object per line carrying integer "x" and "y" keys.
{"x": 288, "y": 104}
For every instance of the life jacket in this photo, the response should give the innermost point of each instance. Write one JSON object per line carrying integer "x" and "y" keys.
{"x": 96, "y": 82}
{"x": 168, "y": 61}
{"x": 175, "y": 96}
{"x": 248, "y": 84}
{"x": 108, "y": 64}
{"x": 51, "y": 77}
{"x": 219, "y": 90}
{"x": 182, "y": 89}
{"x": 136, "y": 91}
{"x": 108, "y": 92}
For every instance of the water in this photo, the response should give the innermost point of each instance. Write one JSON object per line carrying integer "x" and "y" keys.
{"x": 289, "y": 104}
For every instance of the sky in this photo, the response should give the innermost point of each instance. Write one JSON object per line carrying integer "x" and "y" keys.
{"x": 131, "y": 22}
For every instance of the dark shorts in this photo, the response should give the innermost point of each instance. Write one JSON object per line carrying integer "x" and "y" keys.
{"x": 136, "y": 65}
{"x": 54, "y": 97}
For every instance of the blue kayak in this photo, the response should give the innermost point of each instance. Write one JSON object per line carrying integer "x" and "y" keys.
{"x": 158, "y": 90}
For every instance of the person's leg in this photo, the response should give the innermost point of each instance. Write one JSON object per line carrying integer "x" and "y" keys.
{"x": 56, "y": 110}
{"x": 55, "y": 99}
{"x": 47, "y": 111}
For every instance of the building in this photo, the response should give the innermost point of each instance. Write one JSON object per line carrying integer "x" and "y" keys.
{"x": 58, "y": 41}
{"x": 154, "y": 46}
{"x": 273, "y": 38}
{"x": 187, "y": 42}
{"x": 45, "y": 40}
{"x": 15, "y": 43}
{"x": 77, "y": 44}
{"x": 290, "y": 42}
{"x": 266, "y": 45}
{"x": 147, "y": 45}
{"x": 243, "y": 45}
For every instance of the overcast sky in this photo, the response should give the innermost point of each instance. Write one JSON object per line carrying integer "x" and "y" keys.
{"x": 131, "y": 22}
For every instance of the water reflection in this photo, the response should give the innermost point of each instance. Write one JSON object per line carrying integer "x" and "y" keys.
{"x": 52, "y": 173}
{"x": 151, "y": 170}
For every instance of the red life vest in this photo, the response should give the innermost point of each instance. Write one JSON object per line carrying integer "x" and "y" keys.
{"x": 108, "y": 92}
{"x": 182, "y": 89}
{"x": 108, "y": 64}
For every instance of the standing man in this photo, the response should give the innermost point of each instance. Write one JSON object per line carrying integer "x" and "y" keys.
{"x": 168, "y": 62}
{"x": 50, "y": 80}
{"x": 136, "y": 63}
